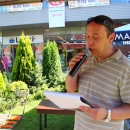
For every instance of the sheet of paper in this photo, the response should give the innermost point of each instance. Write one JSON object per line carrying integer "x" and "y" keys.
{"x": 65, "y": 100}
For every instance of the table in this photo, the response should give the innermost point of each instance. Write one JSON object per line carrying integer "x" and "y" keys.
{"x": 47, "y": 107}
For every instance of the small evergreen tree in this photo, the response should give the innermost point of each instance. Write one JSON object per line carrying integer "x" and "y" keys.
{"x": 51, "y": 64}
{"x": 24, "y": 61}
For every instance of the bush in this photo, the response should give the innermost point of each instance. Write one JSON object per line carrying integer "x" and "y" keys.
{"x": 2, "y": 83}
{"x": 7, "y": 78}
{"x": 24, "y": 61}
{"x": 17, "y": 85}
{"x": 51, "y": 64}
{"x": 35, "y": 78}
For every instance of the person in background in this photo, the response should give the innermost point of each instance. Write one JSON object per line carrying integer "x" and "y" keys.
{"x": 40, "y": 59}
{"x": 103, "y": 79}
{"x": 1, "y": 65}
{"x": 5, "y": 62}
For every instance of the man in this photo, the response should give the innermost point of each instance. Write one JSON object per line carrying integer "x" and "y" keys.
{"x": 103, "y": 80}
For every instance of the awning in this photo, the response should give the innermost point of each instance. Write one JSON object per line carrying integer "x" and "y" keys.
{"x": 123, "y": 28}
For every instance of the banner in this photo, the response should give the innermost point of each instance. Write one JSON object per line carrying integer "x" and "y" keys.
{"x": 56, "y": 14}
{"x": 14, "y": 40}
{"x": 87, "y": 3}
{"x": 121, "y": 43}
{"x": 122, "y": 36}
{"x": 24, "y": 7}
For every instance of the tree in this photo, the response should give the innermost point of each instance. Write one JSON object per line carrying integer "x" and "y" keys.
{"x": 51, "y": 64}
{"x": 24, "y": 61}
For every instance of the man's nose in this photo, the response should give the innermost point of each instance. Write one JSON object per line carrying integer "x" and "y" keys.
{"x": 89, "y": 41}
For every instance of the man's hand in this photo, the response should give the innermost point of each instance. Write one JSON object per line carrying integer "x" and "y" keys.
{"x": 96, "y": 113}
{"x": 75, "y": 59}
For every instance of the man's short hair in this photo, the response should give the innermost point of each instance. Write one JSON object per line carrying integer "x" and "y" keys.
{"x": 103, "y": 20}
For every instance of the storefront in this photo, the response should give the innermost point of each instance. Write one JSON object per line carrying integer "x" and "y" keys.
{"x": 70, "y": 41}
{"x": 10, "y": 45}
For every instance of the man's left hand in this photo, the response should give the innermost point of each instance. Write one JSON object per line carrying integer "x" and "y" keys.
{"x": 96, "y": 113}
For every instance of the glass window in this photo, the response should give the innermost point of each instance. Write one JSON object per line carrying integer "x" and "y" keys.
{"x": 70, "y": 40}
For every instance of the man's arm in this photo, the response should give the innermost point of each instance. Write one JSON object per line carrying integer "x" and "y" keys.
{"x": 71, "y": 83}
{"x": 122, "y": 112}
{"x": 99, "y": 113}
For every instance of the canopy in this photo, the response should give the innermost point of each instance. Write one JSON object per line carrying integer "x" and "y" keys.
{"x": 123, "y": 28}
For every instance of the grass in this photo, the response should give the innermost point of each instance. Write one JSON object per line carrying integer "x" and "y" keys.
{"x": 31, "y": 119}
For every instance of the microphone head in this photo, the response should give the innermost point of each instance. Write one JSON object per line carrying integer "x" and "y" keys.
{"x": 86, "y": 51}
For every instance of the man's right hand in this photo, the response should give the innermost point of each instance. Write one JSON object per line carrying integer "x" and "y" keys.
{"x": 75, "y": 59}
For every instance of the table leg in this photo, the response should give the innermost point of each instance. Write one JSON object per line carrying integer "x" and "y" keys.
{"x": 45, "y": 120}
{"x": 40, "y": 121}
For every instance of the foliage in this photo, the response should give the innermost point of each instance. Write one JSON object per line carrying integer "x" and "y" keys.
{"x": 24, "y": 61}
{"x": 7, "y": 78}
{"x": 35, "y": 78}
{"x": 51, "y": 64}
{"x": 17, "y": 85}
{"x": 2, "y": 83}
{"x": 5, "y": 104}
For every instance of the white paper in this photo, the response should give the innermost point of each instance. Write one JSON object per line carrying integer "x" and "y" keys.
{"x": 65, "y": 100}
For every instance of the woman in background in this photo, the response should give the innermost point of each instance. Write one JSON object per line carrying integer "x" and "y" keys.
{"x": 5, "y": 62}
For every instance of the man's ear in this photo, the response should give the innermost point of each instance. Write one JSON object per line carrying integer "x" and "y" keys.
{"x": 111, "y": 37}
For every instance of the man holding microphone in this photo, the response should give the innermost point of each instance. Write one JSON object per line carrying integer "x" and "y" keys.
{"x": 103, "y": 79}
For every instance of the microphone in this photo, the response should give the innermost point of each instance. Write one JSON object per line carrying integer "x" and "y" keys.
{"x": 79, "y": 63}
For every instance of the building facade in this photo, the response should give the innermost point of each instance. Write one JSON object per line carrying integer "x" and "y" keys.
{"x": 71, "y": 37}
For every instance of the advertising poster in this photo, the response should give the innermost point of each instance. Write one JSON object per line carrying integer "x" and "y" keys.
{"x": 87, "y": 3}
{"x": 24, "y": 7}
{"x": 56, "y": 14}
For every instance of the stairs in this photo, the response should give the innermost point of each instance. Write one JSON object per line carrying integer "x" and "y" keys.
{"x": 9, "y": 123}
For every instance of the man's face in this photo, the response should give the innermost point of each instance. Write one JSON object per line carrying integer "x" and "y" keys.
{"x": 97, "y": 40}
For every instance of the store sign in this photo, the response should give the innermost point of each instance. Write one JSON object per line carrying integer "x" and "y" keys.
{"x": 15, "y": 39}
{"x": 56, "y": 14}
{"x": 87, "y": 3}
{"x": 24, "y": 7}
{"x": 122, "y": 38}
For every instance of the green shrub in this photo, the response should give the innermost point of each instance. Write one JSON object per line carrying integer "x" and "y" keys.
{"x": 24, "y": 61}
{"x": 7, "y": 78}
{"x": 5, "y": 103}
{"x": 17, "y": 85}
{"x": 39, "y": 95}
{"x": 51, "y": 64}
{"x": 2, "y": 83}
{"x": 35, "y": 78}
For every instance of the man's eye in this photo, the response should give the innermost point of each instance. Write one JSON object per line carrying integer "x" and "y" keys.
{"x": 87, "y": 37}
{"x": 96, "y": 38}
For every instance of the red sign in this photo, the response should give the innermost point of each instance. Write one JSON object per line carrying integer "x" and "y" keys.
{"x": 55, "y": 3}
{"x": 74, "y": 45}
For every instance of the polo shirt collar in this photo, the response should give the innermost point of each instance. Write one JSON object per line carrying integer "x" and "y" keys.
{"x": 117, "y": 55}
